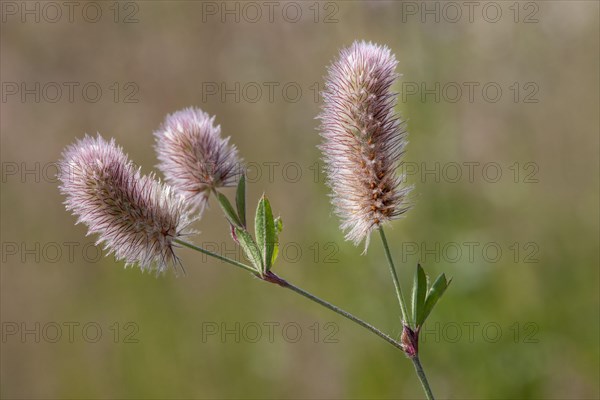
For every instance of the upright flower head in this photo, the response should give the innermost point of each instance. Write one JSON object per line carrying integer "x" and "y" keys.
{"x": 363, "y": 139}
{"x": 136, "y": 217}
{"x": 193, "y": 156}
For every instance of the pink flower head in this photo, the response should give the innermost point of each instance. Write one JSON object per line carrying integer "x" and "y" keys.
{"x": 136, "y": 217}
{"x": 363, "y": 140}
{"x": 193, "y": 157}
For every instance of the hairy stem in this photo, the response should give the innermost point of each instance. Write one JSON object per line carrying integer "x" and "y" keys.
{"x": 405, "y": 315}
{"x": 422, "y": 377}
{"x": 271, "y": 277}
{"x": 414, "y": 358}
{"x": 217, "y": 256}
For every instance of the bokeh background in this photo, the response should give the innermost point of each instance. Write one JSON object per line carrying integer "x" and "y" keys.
{"x": 522, "y": 323}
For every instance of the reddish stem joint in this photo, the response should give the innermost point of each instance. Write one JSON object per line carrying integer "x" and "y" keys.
{"x": 410, "y": 341}
{"x": 272, "y": 278}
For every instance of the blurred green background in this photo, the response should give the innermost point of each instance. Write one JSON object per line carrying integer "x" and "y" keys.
{"x": 520, "y": 319}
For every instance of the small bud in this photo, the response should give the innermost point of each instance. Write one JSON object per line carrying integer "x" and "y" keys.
{"x": 410, "y": 341}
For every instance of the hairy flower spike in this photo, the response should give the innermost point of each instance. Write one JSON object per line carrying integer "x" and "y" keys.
{"x": 363, "y": 140}
{"x": 193, "y": 156}
{"x": 135, "y": 216}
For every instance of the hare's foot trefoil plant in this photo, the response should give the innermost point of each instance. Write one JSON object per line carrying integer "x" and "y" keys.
{"x": 144, "y": 221}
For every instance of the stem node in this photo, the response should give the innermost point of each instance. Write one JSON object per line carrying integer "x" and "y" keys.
{"x": 410, "y": 341}
{"x": 272, "y": 278}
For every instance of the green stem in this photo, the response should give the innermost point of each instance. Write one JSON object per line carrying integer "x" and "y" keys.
{"x": 394, "y": 277}
{"x": 215, "y": 255}
{"x": 422, "y": 377}
{"x": 271, "y": 277}
{"x": 414, "y": 358}
{"x": 366, "y": 325}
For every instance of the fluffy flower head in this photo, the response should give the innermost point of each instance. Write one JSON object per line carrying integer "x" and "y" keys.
{"x": 193, "y": 157}
{"x": 363, "y": 139}
{"x": 136, "y": 217}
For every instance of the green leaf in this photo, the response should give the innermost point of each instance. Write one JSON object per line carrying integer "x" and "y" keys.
{"x": 435, "y": 292}
{"x": 278, "y": 229}
{"x": 418, "y": 296}
{"x": 228, "y": 210}
{"x": 240, "y": 199}
{"x": 250, "y": 248}
{"x": 265, "y": 231}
